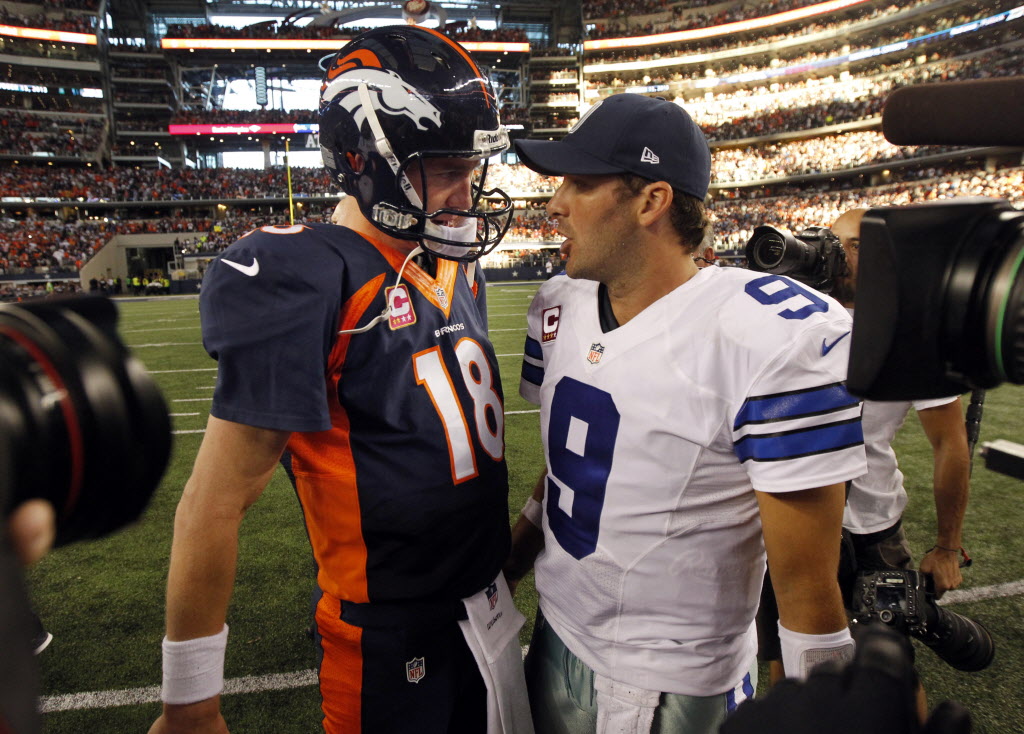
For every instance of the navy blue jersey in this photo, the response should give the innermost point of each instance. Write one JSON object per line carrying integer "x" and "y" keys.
{"x": 398, "y": 434}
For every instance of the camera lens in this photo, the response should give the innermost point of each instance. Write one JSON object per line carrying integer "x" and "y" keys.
{"x": 776, "y": 251}
{"x": 86, "y": 427}
{"x": 767, "y": 251}
{"x": 986, "y": 290}
{"x": 961, "y": 642}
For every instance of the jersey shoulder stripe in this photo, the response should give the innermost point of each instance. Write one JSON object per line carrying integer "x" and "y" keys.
{"x": 533, "y": 349}
{"x": 794, "y": 404}
{"x": 532, "y": 374}
{"x": 800, "y": 442}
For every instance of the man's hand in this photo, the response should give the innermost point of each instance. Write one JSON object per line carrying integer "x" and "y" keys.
{"x": 874, "y": 693}
{"x": 203, "y": 717}
{"x": 944, "y": 567}
{"x": 32, "y": 527}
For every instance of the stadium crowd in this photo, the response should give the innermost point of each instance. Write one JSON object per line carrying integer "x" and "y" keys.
{"x": 32, "y": 134}
{"x": 790, "y": 54}
{"x": 70, "y": 103}
{"x": 674, "y": 17}
{"x": 238, "y": 117}
{"x": 149, "y": 184}
{"x": 461, "y": 31}
{"x": 71, "y": 22}
{"x": 54, "y": 245}
{"x": 827, "y": 100}
{"x": 813, "y": 155}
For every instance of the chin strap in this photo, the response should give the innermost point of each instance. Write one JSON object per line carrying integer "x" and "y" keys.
{"x": 387, "y": 306}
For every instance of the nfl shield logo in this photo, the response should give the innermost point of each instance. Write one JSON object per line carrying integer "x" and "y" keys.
{"x": 492, "y": 595}
{"x": 442, "y": 297}
{"x": 596, "y": 350}
{"x": 415, "y": 670}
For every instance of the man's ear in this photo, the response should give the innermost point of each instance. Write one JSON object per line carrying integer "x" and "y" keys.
{"x": 655, "y": 202}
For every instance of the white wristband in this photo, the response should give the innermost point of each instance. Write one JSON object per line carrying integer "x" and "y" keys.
{"x": 801, "y": 651}
{"x": 533, "y": 512}
{"x": 194, "y": 669}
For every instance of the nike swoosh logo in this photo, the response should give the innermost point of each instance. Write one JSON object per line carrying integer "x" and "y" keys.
{"x": 251, "y": 270}
{"x": 826, "y": 348}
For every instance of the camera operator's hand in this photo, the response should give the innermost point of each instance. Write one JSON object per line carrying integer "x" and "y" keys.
{"x": 202, "y": 717}
{"x": 944, "y": 567}
{"x": 31, "y": 528}
{"x": 874, "y": 693}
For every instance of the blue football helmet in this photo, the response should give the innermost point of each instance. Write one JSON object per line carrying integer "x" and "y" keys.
{"x": 398, "y": 95}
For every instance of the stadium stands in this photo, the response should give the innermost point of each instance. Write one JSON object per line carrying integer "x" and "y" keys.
{"x": 795, "y": 135}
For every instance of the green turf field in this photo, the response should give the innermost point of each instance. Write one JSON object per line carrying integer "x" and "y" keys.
{"x": 103, "y": 600}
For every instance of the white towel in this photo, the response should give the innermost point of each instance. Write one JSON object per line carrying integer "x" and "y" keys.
{"x": 492, "y": 633}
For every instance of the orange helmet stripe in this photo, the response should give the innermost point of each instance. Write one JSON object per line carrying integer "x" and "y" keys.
{"x": 359, "y": 57}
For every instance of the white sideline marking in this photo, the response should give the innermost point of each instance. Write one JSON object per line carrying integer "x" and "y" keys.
{"x": 151, "y": 694}
{"x": 302, "y": 678}
{"x": 996, "y": 591}
{"x": 165, "y": 344}
{"x": 163, "y": 328}
{"x": 196, "y": 369}
{"x": 181, "y": 415}
{"x": 189, "y": 400}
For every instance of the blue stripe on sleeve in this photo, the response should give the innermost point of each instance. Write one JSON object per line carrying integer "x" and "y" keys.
{"x": 532, "y": 373}
{"x": 803, "y": 442}
{"x": 532, "y": 349}
{"x": 797, "y": 404}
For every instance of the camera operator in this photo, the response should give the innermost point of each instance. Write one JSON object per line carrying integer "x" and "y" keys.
{"x": 872, "y": 521}
{"x": 876, "y": 501}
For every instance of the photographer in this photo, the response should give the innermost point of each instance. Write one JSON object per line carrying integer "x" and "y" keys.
{"x": 872, "y": 519}
{"x": 876, "y": 500}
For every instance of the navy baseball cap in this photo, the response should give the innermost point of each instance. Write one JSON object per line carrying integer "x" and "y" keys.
{"x": 628, "y": 133}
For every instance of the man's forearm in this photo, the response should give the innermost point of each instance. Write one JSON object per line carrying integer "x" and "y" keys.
{"x": 802, "y": 532}
{"x": 527, "y": 537}
{"x": 952, "y": 488}
{"x": 202, "y": 570}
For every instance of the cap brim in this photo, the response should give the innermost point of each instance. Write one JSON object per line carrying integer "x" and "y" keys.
{"x": 558, "y": 158}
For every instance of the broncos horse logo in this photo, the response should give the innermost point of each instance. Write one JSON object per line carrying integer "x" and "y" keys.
{"x": 390, "y": 94}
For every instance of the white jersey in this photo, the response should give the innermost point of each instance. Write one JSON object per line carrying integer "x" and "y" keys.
{"x": 877, "y": 499}
{"x": 655, "y": 435}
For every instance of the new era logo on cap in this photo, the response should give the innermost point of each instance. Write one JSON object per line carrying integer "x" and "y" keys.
{"x": 649, "y": 156}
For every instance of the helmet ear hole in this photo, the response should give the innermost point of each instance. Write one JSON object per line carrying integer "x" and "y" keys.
{"x": 355, "y": 162}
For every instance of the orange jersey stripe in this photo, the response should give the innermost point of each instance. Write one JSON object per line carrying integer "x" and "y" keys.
{"x": 447, "y": 271}
{"x": 325, "y": 476}
{"x": 341, "y": 670}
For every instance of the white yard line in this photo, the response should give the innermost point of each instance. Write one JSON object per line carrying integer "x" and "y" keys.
{"x": 165, "y": 344}
{"x": 303, "y": 678}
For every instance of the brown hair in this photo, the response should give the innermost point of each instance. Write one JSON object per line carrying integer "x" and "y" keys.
{"x": 688, "y": 216}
